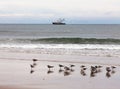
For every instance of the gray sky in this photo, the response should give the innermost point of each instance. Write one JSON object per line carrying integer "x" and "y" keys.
{"x": 74, "y": 11}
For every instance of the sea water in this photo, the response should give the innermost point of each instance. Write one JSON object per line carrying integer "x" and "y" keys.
{"x": 88, "y": 40}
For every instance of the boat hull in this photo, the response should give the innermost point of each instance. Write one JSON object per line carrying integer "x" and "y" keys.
{"x": 54, "y": 23}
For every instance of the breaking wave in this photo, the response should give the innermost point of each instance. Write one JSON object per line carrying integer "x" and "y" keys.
{"x": 60, "y": 46}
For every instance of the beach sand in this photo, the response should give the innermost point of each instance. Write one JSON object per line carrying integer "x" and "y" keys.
{"x": 16, "y": 72}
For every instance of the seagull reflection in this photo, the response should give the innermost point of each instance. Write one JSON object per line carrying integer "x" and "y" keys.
{"x": 60, "y": 70}
{"x": 99, "y": 70}
{"x": 31, "y": 71}
{"x": 113, "y": 72}
{"x": 72, "y": 70}
{"x": 108, "y": 74}
{"x": 66, "y": 73}
{"x": 83, "y": 72}
{"x": 49, "y": 72}
{"x": 92, "y": 74}
{"x": 32, "y": 66}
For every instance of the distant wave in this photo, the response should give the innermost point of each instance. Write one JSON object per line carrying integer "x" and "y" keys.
{"x": 77, "y": 41}
{"x": 62, "y": 41}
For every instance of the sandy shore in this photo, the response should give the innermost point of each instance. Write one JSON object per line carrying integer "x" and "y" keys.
{"x": 16, "y": 73}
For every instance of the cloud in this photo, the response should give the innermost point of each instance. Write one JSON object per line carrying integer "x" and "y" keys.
{"x": 81, "y": 9}
{"x": 17, "y": 15}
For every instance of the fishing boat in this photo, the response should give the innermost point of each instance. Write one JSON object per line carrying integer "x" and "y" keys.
{"x": 59, "y": 22}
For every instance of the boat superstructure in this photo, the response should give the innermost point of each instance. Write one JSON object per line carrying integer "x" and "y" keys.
{"x": 59, "y": 22}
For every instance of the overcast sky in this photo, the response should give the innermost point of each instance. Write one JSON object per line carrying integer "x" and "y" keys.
{"x": 74, "y": 11}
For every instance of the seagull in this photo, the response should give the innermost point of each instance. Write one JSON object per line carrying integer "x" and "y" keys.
{"x": 49, "y": 66}
{"x": 93, "y": 68}
{"x": 113, "y": 67}
{"x": 82, "y": 66}
{"x": 72, "y": 65}
{"x": 108, "y": 69}
{"x": 34, "y": 60}
{"x": 61, "y": 65}
{"x": 99, "y": 66}
{"x": 66, "y": 68}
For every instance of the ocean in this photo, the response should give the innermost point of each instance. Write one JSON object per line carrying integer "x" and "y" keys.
{"x": 86, "y": 40}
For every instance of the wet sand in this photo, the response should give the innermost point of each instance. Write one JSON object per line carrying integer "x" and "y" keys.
{"x": 16, "y": 72}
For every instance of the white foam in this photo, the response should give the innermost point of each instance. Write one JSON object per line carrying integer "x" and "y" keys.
{"x": 61, "y": 46}
{"x": 65, "y": 49}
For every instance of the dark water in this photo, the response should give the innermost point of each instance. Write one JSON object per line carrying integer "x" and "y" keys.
{"x": 53, "y": 31}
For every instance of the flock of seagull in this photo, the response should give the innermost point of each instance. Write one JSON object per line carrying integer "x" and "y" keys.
{"x": 67, "y": 70}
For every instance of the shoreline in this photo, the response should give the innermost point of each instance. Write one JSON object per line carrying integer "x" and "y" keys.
{"x": 16, "y": 72}
{"x": 7, "y": 55}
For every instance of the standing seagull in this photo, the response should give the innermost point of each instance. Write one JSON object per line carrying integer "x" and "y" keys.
{"x": 82, "y": 66}
{"x": 113, "y": 67}
{"x": 66, "y": 68}
{"x": 49, "y": 66}
{"x": 61, "y": 65}
{"x": 72, "y": 66}
{"x": 108, "y": 69}
{"x": 34, "y": 60}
